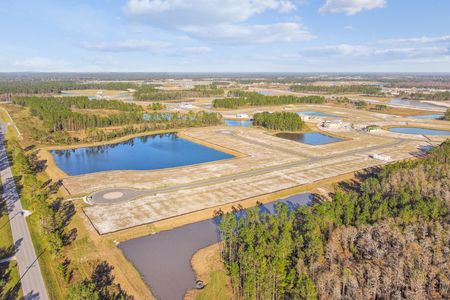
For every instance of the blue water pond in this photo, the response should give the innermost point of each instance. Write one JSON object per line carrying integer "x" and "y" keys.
{"x": 416, "y": 130}
{"x": 241, "y": 123}
{"x": 150, "y": 152}
{"x": 310, "y": 138}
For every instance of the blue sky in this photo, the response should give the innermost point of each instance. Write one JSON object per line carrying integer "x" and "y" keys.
{"x": 225, "y": 35}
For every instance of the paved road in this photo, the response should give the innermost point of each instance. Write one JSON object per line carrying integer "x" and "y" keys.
{"x": 128, "y": 194}
{"x": 33, "y": 286}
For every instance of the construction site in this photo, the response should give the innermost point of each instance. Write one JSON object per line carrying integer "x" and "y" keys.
{"x": 262, "y": 164}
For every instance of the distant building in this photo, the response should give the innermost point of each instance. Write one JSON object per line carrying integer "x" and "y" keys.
{"x": 382, "y": 157}
{"x": 242, "y": 116}
{"x": 186, "y": 106}
{"x": 332, "y": 124}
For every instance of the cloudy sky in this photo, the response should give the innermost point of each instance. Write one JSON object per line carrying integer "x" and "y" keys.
{"x": 225, "y": 35}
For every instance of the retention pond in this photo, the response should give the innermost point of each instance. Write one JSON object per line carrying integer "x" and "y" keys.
{"x": 416, "y": 130}
{"x": 310, "y": 138}
{"x": 164, "y": 258}
{"x": 150, "y": 152}
{"x": 240, "y": 123}
{"x": 314, "y": 113}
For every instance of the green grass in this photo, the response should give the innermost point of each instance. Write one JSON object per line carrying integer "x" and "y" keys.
{"x": 8, "y": 271}
{"x": 46, "y": 260}
{"x": 216, "y": 288}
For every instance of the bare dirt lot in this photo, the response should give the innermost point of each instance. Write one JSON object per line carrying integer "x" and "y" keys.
{"x": 266, "y": 164}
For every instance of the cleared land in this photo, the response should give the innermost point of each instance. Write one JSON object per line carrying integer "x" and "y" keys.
{"x": 267, "y": 164}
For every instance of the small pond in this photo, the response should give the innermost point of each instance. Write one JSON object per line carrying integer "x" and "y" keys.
{"x": 314, "y": 113}
{"x": 416, "y": 130}
{"x": 241, "y": 123}
{"x": 266, "y": 93}
{"x": 432, "y": 116}
{"x": 150, "y": 152}
{"x": 310, "y": 138}
{"x": 415, "y": 104}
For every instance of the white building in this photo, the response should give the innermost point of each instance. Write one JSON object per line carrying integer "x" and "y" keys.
{"x": 242, "y": 116}
{"x": 382, "y": 157}
{"x": 332, "y": 124}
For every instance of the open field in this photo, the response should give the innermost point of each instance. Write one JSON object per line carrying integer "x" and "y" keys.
{"x": 267, "y": 164}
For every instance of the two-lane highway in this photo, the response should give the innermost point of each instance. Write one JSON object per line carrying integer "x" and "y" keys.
{"x": 33, "y": 285}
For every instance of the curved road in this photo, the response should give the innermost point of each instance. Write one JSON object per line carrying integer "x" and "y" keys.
{"x": 120, "y": 195}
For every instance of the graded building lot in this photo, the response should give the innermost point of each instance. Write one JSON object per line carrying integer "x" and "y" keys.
{"x": 266, "y": 164}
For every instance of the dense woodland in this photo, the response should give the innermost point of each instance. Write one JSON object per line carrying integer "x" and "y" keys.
{"x": 152, "y": 93}
{"x": 385, "y": 238}
{"x": 58, "y": 118}
{"x": 282, "y": 121}
{"x": 57, "y": 115}
{"x": 338, "y": 89}
{"x": 243, "y": 98}
{"x": 438, "y": 96}
{"x": 46, "y": 87}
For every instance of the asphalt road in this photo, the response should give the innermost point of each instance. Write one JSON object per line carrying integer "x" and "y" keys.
{"x": 128, "y": 194}
{"x": 32, "y": 282}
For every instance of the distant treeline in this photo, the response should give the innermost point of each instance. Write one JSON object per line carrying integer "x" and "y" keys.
{"x": 47, "y": 87}
{"x": 447, "y": 115}
{"x": 255, "y": 99}
{"x": 151, "y": 93}
{"x": 283, "y": 121}
{"x": 385, "y": 238}
{"x": 338, "y": 89}
{"x": 438, "y": 96}
{"x": 57, "y": 115}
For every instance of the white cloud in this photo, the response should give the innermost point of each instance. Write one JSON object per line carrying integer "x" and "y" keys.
{"x": 194, "y": 50}
{"x": 341, "y": 49}
{"x": 420, "y": 40}
{"x": 127, "y": 45}
{"x": 219, "y": 20}
{"x": 177, "y": 13}
{"x": 365, "y": 52}
{"x": 40, "y": 63}
{"x": 153, "y": 47}
{"x": 250, "y": 34}
{"x": 351, "y": 7}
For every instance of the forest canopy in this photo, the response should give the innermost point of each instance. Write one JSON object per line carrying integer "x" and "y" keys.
{"x": 152, "y": 93}
{"x": 283, "y": 121}
{"x": 59, "y": 117}
{"x": 242, "y": 98}
{"x": 47, "y": 87}
{"x": 387, "y": 237}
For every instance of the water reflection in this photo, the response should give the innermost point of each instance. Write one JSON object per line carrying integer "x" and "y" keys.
{"x": 310, "y": 138}
{"x": 149, "y": 152}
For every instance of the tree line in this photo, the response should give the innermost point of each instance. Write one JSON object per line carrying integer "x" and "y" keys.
{"x": 438, "y": 96}
{"x": 57, "y": 115}
{"x": 283, "y": 121}
{"x": 337, "y": 89}
{"x": 47, "y": 87}
{"x": 152, "y": 93}
{"x": 384, "y": 238}
{"x": 50, "y": 220}
{"x": 242, "y": 98}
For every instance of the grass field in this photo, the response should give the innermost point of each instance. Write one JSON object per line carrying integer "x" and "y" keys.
{"x": 8, "y": 271}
